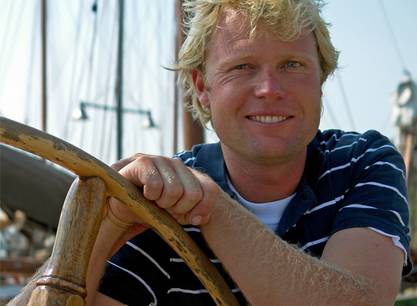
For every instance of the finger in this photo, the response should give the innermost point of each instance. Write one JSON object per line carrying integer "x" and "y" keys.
{"x": 172, "y": 185}
{"x": 122, "y": 212}
{"x": 181, "y": 219}
{"x": 200, "y": 214}
{"x": 192, "y": 192}
{"x": 124, "y": 162}
{"x": 143, "y": 172}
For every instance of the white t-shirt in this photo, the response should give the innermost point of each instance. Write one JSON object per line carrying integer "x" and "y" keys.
{"x": 269, "y": 213}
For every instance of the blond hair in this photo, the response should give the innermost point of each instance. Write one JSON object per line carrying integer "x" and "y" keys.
{"x": 288, "y": 19}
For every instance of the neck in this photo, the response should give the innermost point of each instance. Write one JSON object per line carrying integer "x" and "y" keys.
{"x": 265, "y": 181}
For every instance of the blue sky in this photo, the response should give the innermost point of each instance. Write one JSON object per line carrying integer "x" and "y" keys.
{"x": 370, "y": 66}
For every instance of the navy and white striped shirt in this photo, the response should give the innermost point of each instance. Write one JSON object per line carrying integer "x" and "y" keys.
{"x": 350, "y": 180}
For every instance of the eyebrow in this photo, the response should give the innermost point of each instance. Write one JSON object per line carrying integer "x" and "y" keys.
{"x": 245, "y": 56}
{"x": 227, "y": 60}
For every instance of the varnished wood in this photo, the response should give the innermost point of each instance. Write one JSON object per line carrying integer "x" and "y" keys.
{"x": 84, "y": 165}
{"x": 44, "y": 295}
{"x": 78, "y": 226}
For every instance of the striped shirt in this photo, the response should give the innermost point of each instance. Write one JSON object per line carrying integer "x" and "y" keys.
{"x": 350, "y": 180}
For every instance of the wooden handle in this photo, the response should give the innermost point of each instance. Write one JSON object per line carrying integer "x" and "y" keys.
{"x": 63, "y": 281}
{"x": 84, "y": 165}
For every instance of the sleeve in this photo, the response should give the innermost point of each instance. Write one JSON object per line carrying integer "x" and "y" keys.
{"x": 137, "y": 274}
{"x": 187, "y": 157}
{"x": 377, "y": 197}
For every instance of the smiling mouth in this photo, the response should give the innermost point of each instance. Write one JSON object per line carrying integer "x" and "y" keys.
{"x": 268, "y": 119}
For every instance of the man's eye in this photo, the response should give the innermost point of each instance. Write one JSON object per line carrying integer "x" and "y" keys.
{"x": 293, "y": 64}
{"x": 241, "y": 66}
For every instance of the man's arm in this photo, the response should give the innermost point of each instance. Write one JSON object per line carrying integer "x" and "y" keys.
{"x": 269, "y": 271}
{"x": 112, "y": 234}
{"x": 183, "y": 192}
{"x": 358, "y": 266}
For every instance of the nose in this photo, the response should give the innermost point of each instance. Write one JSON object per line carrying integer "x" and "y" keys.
{"x": 269, "y": 85}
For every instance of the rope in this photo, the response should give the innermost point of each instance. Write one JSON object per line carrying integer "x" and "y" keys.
{"x": 10, "y": 35}
{"x": 106, "y": 128}
{"x": 345, "y": 100}
{"x": 77, "y": 46}
{"x": 93, "y": 43}
{"x": 392, "y": 35}
{"x": 31, "y": 64}
{"x": 331, "y": 115}
{"x": 4, "y": 36}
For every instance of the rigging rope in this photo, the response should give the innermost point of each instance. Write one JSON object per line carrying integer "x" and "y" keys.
{"x": 3, "y": 36}
{"x": 12, "y": 36}
{"x": 29, "y": 84}
{"x": 91, "y": 61}
{"x": 392, "y": 35}
{"x": 345, "y": 99}
{"x": 105, "y": 151}
{"x": 77, "y": 45}
{"x": 331, "y": 114}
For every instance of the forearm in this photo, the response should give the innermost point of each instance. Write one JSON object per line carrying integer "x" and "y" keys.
{"x": 271, "y": 272}
{"x": 106, "y": 238}
{"x": 112, "y": 234}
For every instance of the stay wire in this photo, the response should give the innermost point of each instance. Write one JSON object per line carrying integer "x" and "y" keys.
{"x": 29, "y": 85}
{"x": 93, "y": 44}
{"x": 331, "y": 114}
{"x": 392, "y": 35}
{"x": 4, "y": 36}
{"x": 77, "y": 46}
{"x": 106, "y": 151}
{"x": 345, "y": 100}
{"x": 81, "y": 86}
{"x": 12, "y": 35}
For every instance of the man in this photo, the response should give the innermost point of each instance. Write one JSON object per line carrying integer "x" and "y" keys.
{"x": 294, "y": 215}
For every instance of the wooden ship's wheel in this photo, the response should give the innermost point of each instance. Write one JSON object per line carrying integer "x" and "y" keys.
{"x": 63, "y": 282}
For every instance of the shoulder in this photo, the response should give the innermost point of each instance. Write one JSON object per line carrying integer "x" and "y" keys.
{"x": 206, "y": 158}
{"x": 201, "y": 155}
{"x": 333, "y": 140}
{"x": 349, "y": 151}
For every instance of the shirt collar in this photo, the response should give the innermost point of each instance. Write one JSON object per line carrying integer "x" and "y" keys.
{"x": 209, "y": 159}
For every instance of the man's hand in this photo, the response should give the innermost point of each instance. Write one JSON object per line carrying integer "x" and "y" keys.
{"x": 187, "y": 194}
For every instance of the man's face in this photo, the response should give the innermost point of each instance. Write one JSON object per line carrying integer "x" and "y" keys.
{"x": 264, "y": 94}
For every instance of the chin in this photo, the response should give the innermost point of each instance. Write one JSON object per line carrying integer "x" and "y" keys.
{"x": 282, "y": 150}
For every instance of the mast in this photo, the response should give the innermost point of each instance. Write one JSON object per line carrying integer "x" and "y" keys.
{"x": 405, "y": 110}
{"x": 193, "y": 130}
{"x": 119, "y": 82}
{"x": 178, "y": 41}
{"x": 44, "y": 101}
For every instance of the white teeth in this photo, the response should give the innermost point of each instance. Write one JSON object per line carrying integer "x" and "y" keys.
{"x": 268, "y": 119}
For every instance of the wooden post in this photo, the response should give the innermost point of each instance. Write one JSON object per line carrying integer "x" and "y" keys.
{"x": 178, "y": 42}
{"x": 64, "y": 280}
{"x": 410, "y": 156}
{"x": 44, "y": 67}
{"x": 193, "y": 130}
{"x": 119, "y": 82}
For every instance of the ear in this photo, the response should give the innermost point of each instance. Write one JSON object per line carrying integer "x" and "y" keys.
{"x": 200, "y": 87}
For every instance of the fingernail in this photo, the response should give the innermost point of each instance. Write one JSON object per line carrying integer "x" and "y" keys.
{"x": 196, "y": 220}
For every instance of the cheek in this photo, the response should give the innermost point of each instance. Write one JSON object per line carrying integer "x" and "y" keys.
{"x": 316, "y": 111}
